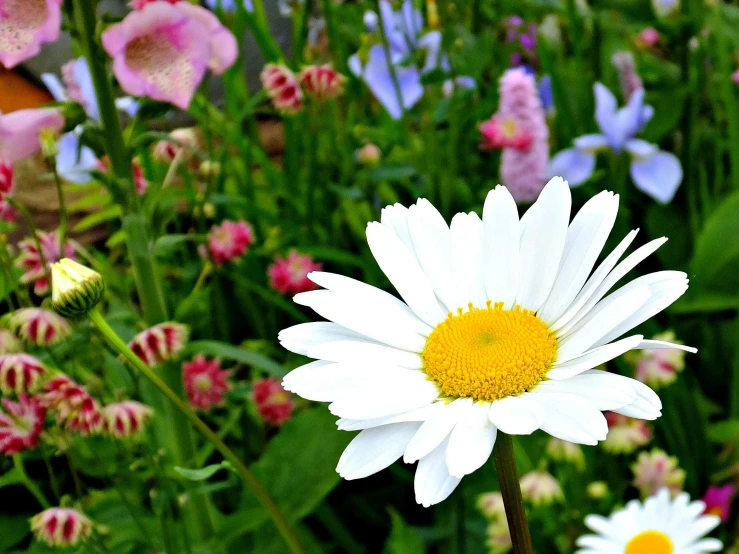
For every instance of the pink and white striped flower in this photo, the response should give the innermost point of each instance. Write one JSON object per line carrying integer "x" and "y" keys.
{"x": 163, "y": 50}
{"x": 21, "y": 424}
{"x": 159, "y": 343}
{"x": 75, "y": 408}
{"x": 283, "y": 88}
{"x": 322, "y": 82}
{"x": 38, "y": 326}
{"x": 274, "y": 403}
{"x": 656, "y": 470}
{"x": 229, "y": 240}
{"x": 205, "y": 382}
{"x": 20, "y": 373}
{"x": 36, "y": 264}
{"x": 125, "y": 419}
{"x": 625, "y": 434}
{"x": 25, "y": 25}
{"x": 61, "y": 527}
{"x": 290, "y": 275}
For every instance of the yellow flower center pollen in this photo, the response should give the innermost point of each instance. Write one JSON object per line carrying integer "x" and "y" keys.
{"x": 489, "y": 353}
{"x": 649, "y": 542}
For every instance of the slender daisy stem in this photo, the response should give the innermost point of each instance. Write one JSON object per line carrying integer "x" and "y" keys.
{"x": 63, "y": 217}
{"x": 510, "y": 487}
{"x": 250, "y": 480}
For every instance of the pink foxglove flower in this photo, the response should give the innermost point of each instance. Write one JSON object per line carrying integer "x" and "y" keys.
{"x": 205, "y": 382}
{"x": 21, "y": 424}
{"x": 322, "y": 82}
{"x": 718, "y": 501}
{"x": 25, "y": 25}
{"x": 656, "y": 470}
{"x": 125, "y": 419}
{"x": 503, "y": 133}
{"x": 159, "y": 343}
{"x": 229, "y": 241}
{"x": 540, "y": 488}
{"x": 61, "y": 527}
{"x": 290, "y": 275}
{"x": 9, "y": 343}
{"x": 75, "y": 408}
{"x": 283, "y": 88}
{"x": 625, "y": 434}
{"x": 660, "y": 367}
{"x": 38, "y": 326}
{"x": 524, "y": 171}
{"x": 274, "y": 403}
{"x": 163, "y": 50}
{"x": 20, "y": 131}
{"x": 32, "y": 261}
{"x": 20, "y": 373}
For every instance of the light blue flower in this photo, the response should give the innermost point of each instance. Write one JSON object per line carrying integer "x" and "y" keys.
{"x": 545, "y": 94}
{"x": 228, "y": 5}
{"x": 653, "y": 171}
{"x": 75, "y": 162}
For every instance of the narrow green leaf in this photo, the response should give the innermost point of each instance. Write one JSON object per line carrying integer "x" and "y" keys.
{"x": 230, "y": 352}
{"x": 203, "y": 473}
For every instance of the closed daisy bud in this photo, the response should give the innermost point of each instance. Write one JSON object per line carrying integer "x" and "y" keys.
{"x": 625, "y": 434}
{"x": 656, "y": 470}
{"x": 38, "y": 326}
{"x": 283, "y": 88}
{"x": 21, "y": 424}
{"x": 290, "y": 275}
{"x": 540, "y": 488}
{"x": 597, "y": 490}
{"x": 73, "y": 406}
{"x": 159, "y": 343}
{"x": 26, "y": 25}
{"x": 718, "y": 501}
{"x": 125, "y": 419}
{"x": 61, "y": 527}
{"x": 229, "y": 241}
{"x": 75, "y": 289}
{"x": 9, "y": 344}
{"x": 31, "y": 261}
{"x": 322, "y": 82}
{"x": 659, "y": 367}
{"x": 205, "y": 382}
{"x": 20, "y": 373}
{"x": 565, "y": 451}
{"x": 274, "y": 403}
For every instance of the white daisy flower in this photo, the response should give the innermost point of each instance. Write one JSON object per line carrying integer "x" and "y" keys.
{"x": 500, "y": 325}
{"x": 658, "y": 526}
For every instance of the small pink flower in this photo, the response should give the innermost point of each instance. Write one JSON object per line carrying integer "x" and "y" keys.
{"x": 61, "y": 527}
{"x": 369, "y": 155}
{"x": 655, "y": 470}
{"x": 159, "y": 343}
{"x": 735, "y": 76}
{"x": 274, "y": 403}
{"x": 139, "y": 179}
{"x": 24, "y": 26}
{"x": 20, "y": 373}
{"x": 125, "y": 419}
{"x": 6, "y": 179}
{"x": 38, "y": 326}
{"x": 7, "y": 213}
{"x": 205, "y": 382}
{"x": 9, "y": 344}
{"x": 229, "y": 241}
{"x": 20, "y": 131}
{"x": 660, "y": 367}
{"x": 74, "y": 407}
{"x": 540, "y": 488}
{"x": 166, "y": 151}
{"x": 648, "y": 37}
{"x": 718, "y": 501}
{"x": 625, "y": 434}
{"x": 499, "y": 133}
{"x": 322, "y": 82}
{"x": 32, "y": 262}
{"x": 163, "y": 50}
{"x": 290, "y": 275}
{"x": 21, "y": 424}
{"x": 283, "y": 88}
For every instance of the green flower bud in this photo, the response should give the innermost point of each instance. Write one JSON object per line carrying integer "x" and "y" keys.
{"x": 75, "y": 289}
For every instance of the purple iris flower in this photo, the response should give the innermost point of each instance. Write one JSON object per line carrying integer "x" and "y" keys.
{"x": 228, "y": 5}
{"x": 653, "y": 171}
{"x": 75, "y": 162}
{"x": 545, "y": 94}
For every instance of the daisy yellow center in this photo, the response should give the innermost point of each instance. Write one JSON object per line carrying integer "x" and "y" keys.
{"x": 489, "y": 353}
{"x": 649, "y": 542}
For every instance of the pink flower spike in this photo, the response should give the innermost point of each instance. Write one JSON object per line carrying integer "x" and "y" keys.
{"x": 61, "y": 527}
{"x": 126, "y": 419}
{"x": 205, "y": 382}
{"x": 21, "y": 424}
{"x": 20, "y": 131}
{"x": 32, "y": 261}
{"x": 229, "y": 240}
{"x": 75, "y": 408}
{"x": 283, "y": 88}
{"x": 38, "y": 326}
{"x": 290, "y": 275}
{"x": 718, "y": 501}
{"x": 20, "y": 373}
{"x": 163, "y": 50}
{"x": 159, "y": 343}
{"x": 274, "y": 403}
{"x": 322, "y": 82}
{"x": 24, "y": 26}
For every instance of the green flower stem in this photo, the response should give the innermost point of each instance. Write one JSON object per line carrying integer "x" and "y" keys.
{"x": 63, "y": 215}
{"x": 510, "y": 487}
{"x": 727, "y": 91}
{"x": 28, "y": 483}
{"x": 241, "y": 470}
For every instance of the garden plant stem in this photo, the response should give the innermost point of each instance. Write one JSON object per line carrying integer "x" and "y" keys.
{"x": 510, "y": 488}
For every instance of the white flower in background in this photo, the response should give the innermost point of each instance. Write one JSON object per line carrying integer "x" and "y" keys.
{"x": 500, "y": 326}
{"x": 657, "y": 526}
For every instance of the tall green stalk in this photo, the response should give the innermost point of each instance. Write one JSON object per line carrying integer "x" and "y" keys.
{"x": 727, "y": 92}
{"x": 510, "y": 488}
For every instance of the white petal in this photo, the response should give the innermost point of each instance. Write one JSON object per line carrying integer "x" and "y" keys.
{"x": 396, "y": 217}
{"x": 708, "y": 545}
{"x": 647, "y": 406}
{"x": 500, "y": 246}
{"x": 542, "y": 242}
{"x": 471, "y": 442}
{"x": 433, "y": 483}
{"x": 373, "y": 404}
{"x": 466, "y": 257}
{"x": 592, "y": 358}
{"x": 406, "y": 275}
{"x": 647, "y": 344}
{"x": 365, "y": 352}
{"x": 373, "y": 450}
{"x": 299, "y": 338}
{"x": 435, "y": 429}
{"x": 571, "y": 418}
{"x": 605, "y": 391}
{"x": 586, "y": 237}
{"x": 516, "y": 415}
{"x": 383, "y": 322}
{"x": 418, "y": 414}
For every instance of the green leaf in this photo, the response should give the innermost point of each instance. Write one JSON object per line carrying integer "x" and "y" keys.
{"x": 334, "y": 255}
{"x": 116, "y": 239}
{"x": 699, "y": 301}
{"x": 724, "y": 431}
{"x": 92, "y": 220}
{"x": 718, "y": 244}
{"x": 403, "y": 538}
{"x": 230, "y": 352}
{"x": 391, "y": 173}
{"x": 203, "y": 473}
{"x": 166, "y": 243}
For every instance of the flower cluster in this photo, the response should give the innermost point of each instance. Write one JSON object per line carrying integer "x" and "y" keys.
{"x": 286, "y": 90}
{"x": 35, "y": 262}
{"x": 125, "y": 419}
{"x": 159, "y": 343}
{"x": 21, "y": 424}
{"x": 656, "y": 470}
{"x": 73, "y": 406}
{"x": 289, "y": 275}
{"x": 38, "y": 326}
{"x": 274, "y": 403}
{"x": 20, "y": 373}
{"x": 205, "y": 382}
{"x": 229, "y": 241}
